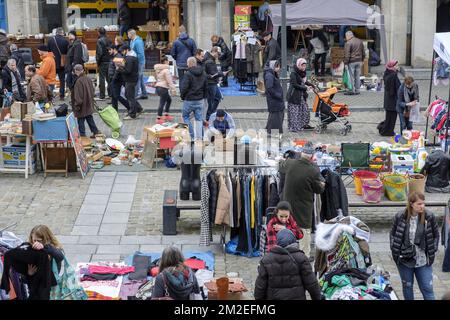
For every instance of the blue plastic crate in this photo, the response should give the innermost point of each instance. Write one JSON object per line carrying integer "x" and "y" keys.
{"x": 50, "y": 130}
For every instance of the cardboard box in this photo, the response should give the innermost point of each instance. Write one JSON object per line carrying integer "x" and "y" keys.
{"x": 243, "y": 10}
{"x": 238, "y": 25}
{"x": 403, "y": 163}
{"x": 20, "y": 109}
{"x": 241, "y": 18}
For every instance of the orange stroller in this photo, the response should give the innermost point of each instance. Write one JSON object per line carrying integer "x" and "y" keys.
{"x": 328, "y": 112}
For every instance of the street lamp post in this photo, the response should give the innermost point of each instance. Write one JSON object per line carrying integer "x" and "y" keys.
{"x": 283, "y": 48}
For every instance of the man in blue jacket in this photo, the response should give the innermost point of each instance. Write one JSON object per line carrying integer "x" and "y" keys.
{"x": 137, "y": 45}
{"x": 183, "y": 48}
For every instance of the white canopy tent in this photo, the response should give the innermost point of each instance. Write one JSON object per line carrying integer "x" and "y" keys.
{"x": 331, "y": 12}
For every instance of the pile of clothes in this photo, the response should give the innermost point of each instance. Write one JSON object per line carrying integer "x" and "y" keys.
{"x": 343, "y": 262}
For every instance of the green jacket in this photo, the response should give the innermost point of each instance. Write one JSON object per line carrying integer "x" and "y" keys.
{"x": 302, "y": 182}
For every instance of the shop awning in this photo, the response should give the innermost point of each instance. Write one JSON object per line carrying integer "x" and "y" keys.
{"x": 331, "y": 12}
{"x": 442, "y": 45}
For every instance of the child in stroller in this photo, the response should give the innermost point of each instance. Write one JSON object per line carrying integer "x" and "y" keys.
{"x": 328, "y": 112}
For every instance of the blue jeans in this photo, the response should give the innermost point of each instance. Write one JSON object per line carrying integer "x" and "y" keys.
{"x": 424, "y": 276}
{"x": 123, "y": 29}
{"x": 213, "y": 99}
{"x": 141, "y": 84}
{"x": 197, "y": 108}
{"x": 405, "y": 124}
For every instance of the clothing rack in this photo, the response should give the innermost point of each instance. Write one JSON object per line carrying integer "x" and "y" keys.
{"x": 244, "y": 86}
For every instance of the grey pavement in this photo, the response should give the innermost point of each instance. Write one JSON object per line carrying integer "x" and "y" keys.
{"x": 109, "y": 215}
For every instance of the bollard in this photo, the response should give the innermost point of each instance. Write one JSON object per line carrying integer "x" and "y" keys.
{"x": 170, "y": 213}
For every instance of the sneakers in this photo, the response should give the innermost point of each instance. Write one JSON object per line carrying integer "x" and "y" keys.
{"x": 308, "y": 127}
{"x": 99, "y": 99}
{"x": 168, "y": 117}
{"x": 128, "y": 117}
{"x": 138, "y": 113}
{"x": 349, "y": 93}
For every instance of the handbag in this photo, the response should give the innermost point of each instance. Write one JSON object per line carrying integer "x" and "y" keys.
{"x": 63, "y": 56}
{"x": 62, "y": 110}
{"x": 166, "y": 292}
{"x": 67, "y": 287}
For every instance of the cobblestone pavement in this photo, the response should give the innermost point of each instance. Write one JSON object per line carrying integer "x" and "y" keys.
{"x": 109, "y": 215}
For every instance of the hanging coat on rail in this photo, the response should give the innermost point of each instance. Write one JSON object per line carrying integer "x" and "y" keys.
{"x": 334, "y": 197}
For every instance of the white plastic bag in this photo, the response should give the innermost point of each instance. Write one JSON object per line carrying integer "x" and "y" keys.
{"x": 415, "y": 116}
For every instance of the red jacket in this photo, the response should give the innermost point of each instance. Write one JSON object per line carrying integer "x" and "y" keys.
{"x": 272, "y": 234}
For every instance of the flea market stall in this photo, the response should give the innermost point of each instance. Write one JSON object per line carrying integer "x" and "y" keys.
{"x": 315, "y": 14}
{"x": 438, "y": 111}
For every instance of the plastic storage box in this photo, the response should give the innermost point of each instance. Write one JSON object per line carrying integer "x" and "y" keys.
{"x": 402, "y": 163}
{"x": 50, "y": 130}
{"x": 14, "y": 157}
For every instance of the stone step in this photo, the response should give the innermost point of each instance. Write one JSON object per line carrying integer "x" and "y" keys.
{"x": 416, "y": 73}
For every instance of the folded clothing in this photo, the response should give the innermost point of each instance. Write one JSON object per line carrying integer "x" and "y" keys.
{"x": 195, "y": 264}
{"x": 115, "y": 270}
{"x": 99, "y": 277}
{"x": 141, "y": 263}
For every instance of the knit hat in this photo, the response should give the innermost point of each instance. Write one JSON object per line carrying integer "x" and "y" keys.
{"x": 220, "y": 113}
{"x": 308, "y": 148}
{"x": 43, "y": 47}
{"x": 285, "y": 237}
{"x": 391, "y": 64}
{"x": 73, "y": 32}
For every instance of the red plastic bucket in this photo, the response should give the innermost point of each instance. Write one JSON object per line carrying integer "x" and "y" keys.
{"x": 361, "y": 175}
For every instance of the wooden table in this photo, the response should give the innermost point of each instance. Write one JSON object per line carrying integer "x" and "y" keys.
{"x": 9, "y": 137}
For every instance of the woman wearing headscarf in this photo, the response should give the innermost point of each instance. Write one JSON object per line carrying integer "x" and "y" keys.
{"x": 391, "y": 86}
{"x": 298, "y": 112}
{"x": 408, "y": 97}
{"x": 274, "y": 97}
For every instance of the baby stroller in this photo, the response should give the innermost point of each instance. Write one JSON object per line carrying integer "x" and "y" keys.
{"x": 328, "y": 112}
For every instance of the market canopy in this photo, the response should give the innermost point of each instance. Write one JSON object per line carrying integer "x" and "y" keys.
{"x": 442, "y": 45}
{"x": 331, "y": 12}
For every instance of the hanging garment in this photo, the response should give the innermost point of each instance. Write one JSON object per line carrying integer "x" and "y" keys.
{"x": 18, "y": 259}
{"x": 253, "y": 56}
{"x": 231, "y": 191}
{"x": 213, "y": 186}
{"x": 205, "y": 224}
{"x": 252, "y": 203}
{"x": 238, "y": 199}
{"x": 223, "y": 202}
{"x": 334, "y": 197}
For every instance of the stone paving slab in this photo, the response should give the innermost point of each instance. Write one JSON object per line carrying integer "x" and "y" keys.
{"x": 80, "y": 248}
{"x": 85, "y": 230}
{"x": 126, "y": 249}
{"x": 89, "y": 220}
{"x": 98, "y": 240}
{"x": 116, "y": 217}
{"x": 108, "y": 229}
{"x": 121, "y": 197}
{"x": 93, "y": 209}
{"x": 140, "y": 240}
{"x": 100, "y": 189}
{"x": 105, "y": 258}
{"x": 96, "y": 199}
{"x": 118, "y": 207}
{"x": 124, "y": 188}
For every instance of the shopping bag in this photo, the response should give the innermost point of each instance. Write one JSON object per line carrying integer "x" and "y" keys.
{"x": 67, "y": 287}
{"x": 415, "y": 116}
{"x": 347, "y": 79}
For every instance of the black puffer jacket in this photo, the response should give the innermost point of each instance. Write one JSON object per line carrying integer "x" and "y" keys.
{"x": 194, "y": 85}
{"x": 74, "y": 55}
{"x": 400, "y": 228}
{"x": 274, "y": 91}
{"x": 437, "y": 168}
{"x": 129, "y": 71}
{"x": 280, "y": 278}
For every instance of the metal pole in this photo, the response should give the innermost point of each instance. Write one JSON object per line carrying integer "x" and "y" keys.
{"x": 219, "y": 17}
{"x": 283, "y": 47}
{"x": 429, "y": 94}
{"x": 447, "y": 123}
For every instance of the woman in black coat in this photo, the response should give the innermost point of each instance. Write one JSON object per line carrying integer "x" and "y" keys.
{"x": 391, "y": 86}
{"x": 274, "y": 98}
{"x": 285, "y": 272}
{"x": 298, "y": 112}
{"x": 414, "y": 241}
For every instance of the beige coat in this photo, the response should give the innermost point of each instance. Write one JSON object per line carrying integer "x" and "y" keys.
{"x": 163, "y": 77}
{"x": 223, "y": 202}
